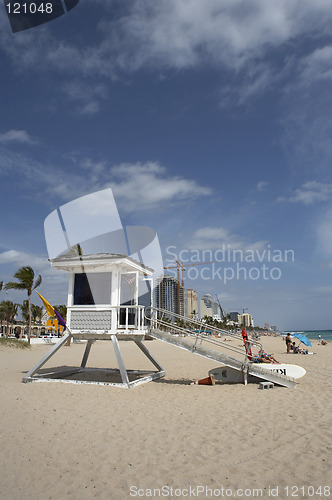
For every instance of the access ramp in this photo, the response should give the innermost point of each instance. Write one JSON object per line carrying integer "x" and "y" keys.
{"x": 209, "y": 342}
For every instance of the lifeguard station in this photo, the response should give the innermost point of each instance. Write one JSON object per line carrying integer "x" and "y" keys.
{"x": 110, "y": 298}
{"x": 107, "y": 297}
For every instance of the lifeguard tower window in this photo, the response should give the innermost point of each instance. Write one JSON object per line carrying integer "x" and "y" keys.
{"x": 128, "y": 297}
{"x": 92, "y": 288}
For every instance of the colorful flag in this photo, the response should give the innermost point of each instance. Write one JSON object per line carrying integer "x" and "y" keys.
{"x": 52, "y": 312}
{"x": 60, "y": 320}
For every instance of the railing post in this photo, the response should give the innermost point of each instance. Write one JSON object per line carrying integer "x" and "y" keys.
{"x": 197, "y": 334}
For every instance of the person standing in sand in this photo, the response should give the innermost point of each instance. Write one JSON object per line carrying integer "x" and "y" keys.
{"x": 288, "y": 341}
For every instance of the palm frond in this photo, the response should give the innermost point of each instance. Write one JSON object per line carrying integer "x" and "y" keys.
{"x": 38, "y": 282}
{"x": 25, "y": 272}
{"x": 15, "y": 286}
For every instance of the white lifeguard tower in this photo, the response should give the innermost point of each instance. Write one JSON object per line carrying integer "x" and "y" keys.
{"x": 107, "y": 297}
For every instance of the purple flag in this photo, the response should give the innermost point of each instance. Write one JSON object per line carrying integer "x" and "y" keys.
{"x": 60, "y": 319}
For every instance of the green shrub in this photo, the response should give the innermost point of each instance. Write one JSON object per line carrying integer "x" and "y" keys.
{"x": 19, "y": 344}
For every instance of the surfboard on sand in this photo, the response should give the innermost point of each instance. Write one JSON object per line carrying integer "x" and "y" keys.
{"x": 230, "y": 375}
{"x": 293, "y": 371}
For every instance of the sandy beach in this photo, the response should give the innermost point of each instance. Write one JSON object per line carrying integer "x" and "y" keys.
{"x": 85, "y": 441}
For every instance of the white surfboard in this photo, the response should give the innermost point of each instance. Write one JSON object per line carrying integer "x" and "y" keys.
{"x": 229, "y": 375}
{"x": 226, "y": 374}
{"x": 293, "y": 371}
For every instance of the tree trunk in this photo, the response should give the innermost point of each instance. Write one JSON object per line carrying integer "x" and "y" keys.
{"x": 29, "y": 327}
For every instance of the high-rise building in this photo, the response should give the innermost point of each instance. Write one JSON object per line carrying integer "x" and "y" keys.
{"x": 234, "y": 316}
{"x": 246, "y": 320}
{"x": 190, "y": 303}
{"x": 169, "y": 295}
{"x": 209, "y": 307}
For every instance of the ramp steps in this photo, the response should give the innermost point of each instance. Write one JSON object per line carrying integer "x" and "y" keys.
{"x": 189, "y": 344}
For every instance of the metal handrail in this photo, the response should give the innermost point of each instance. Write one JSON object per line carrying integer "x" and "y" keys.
{"x": 157, "y": 322}
{"x": 201, "y": 324}
{"x": 213, "y": 341}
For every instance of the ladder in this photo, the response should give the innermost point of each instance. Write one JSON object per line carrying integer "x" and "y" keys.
{"x": 208, "y": 341}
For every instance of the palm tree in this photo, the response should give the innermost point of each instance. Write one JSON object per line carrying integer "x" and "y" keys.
{"x": 1, "y": 313}
{"x": 25, "y": 310}
{"x": 26, "y": 281}
{"x": 36, "y": 313}
{"x": 2, "y": 316}
{"x": 8, "y": 311}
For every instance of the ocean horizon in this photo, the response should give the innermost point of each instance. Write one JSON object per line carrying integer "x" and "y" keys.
{"x": 314, "y": 334}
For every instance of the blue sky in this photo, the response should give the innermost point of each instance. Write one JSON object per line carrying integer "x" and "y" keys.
{"x": 210, "y": 121}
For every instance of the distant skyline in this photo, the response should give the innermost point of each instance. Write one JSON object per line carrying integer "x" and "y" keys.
{"x": 211, "y": 122}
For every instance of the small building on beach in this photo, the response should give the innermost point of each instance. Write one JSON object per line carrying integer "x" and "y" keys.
{"x": 107, "y": 294}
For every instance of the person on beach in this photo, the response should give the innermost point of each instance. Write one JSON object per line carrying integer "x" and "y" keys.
{"x": 296, "y": 349}
{"x": 264, "y": 358}
{"x": 269, "y": 357}
{"x": 288, "y": 341}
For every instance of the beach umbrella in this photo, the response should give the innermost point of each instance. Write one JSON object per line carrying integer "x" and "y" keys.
{"x": 303, "y": 338}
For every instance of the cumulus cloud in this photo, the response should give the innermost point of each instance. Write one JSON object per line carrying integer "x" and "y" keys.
{"x": 143, "y": 186}
{"x": 16, "y": 136}
{"x": 317, "y": 66}
{"x": 185, "y": 33}
{"x": 213, "y": 238}
{"x": 55, "y": 280}
{"x": 310, "y": 193}
{"x": 87, "y": 96}
{"x": 136, "y": 186}
{"x": 262, "y": 185}
{"x": 177, "y": 34}
{"x": 20, "y": 259}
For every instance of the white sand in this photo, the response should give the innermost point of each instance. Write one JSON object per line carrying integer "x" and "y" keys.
{"x": 85, "y": 441}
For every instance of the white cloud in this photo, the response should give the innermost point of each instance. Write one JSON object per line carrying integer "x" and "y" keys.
{"x": 18, "y": 136}
{"x": 53, "y": 281}
{"x": 184, "y": 33}
{"x": 178, "y": 34}
{"x": 310, "y": 193}
{"x": 143, "y": 186}
{"x": 262, "y": 185}
{"x": 20, "y": 259}
{"x": 317, "y": 66}
{"x": 213, "y": 238}
{"x": 86, "y": 95}
{"x": 137, "y": 187}
{"x": 90, "y": 108}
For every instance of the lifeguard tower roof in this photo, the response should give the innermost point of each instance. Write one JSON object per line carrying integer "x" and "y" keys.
{"x": 69, "y": 262}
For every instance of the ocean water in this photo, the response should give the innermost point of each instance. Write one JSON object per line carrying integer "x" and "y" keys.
{"x": 313, "y": 334}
